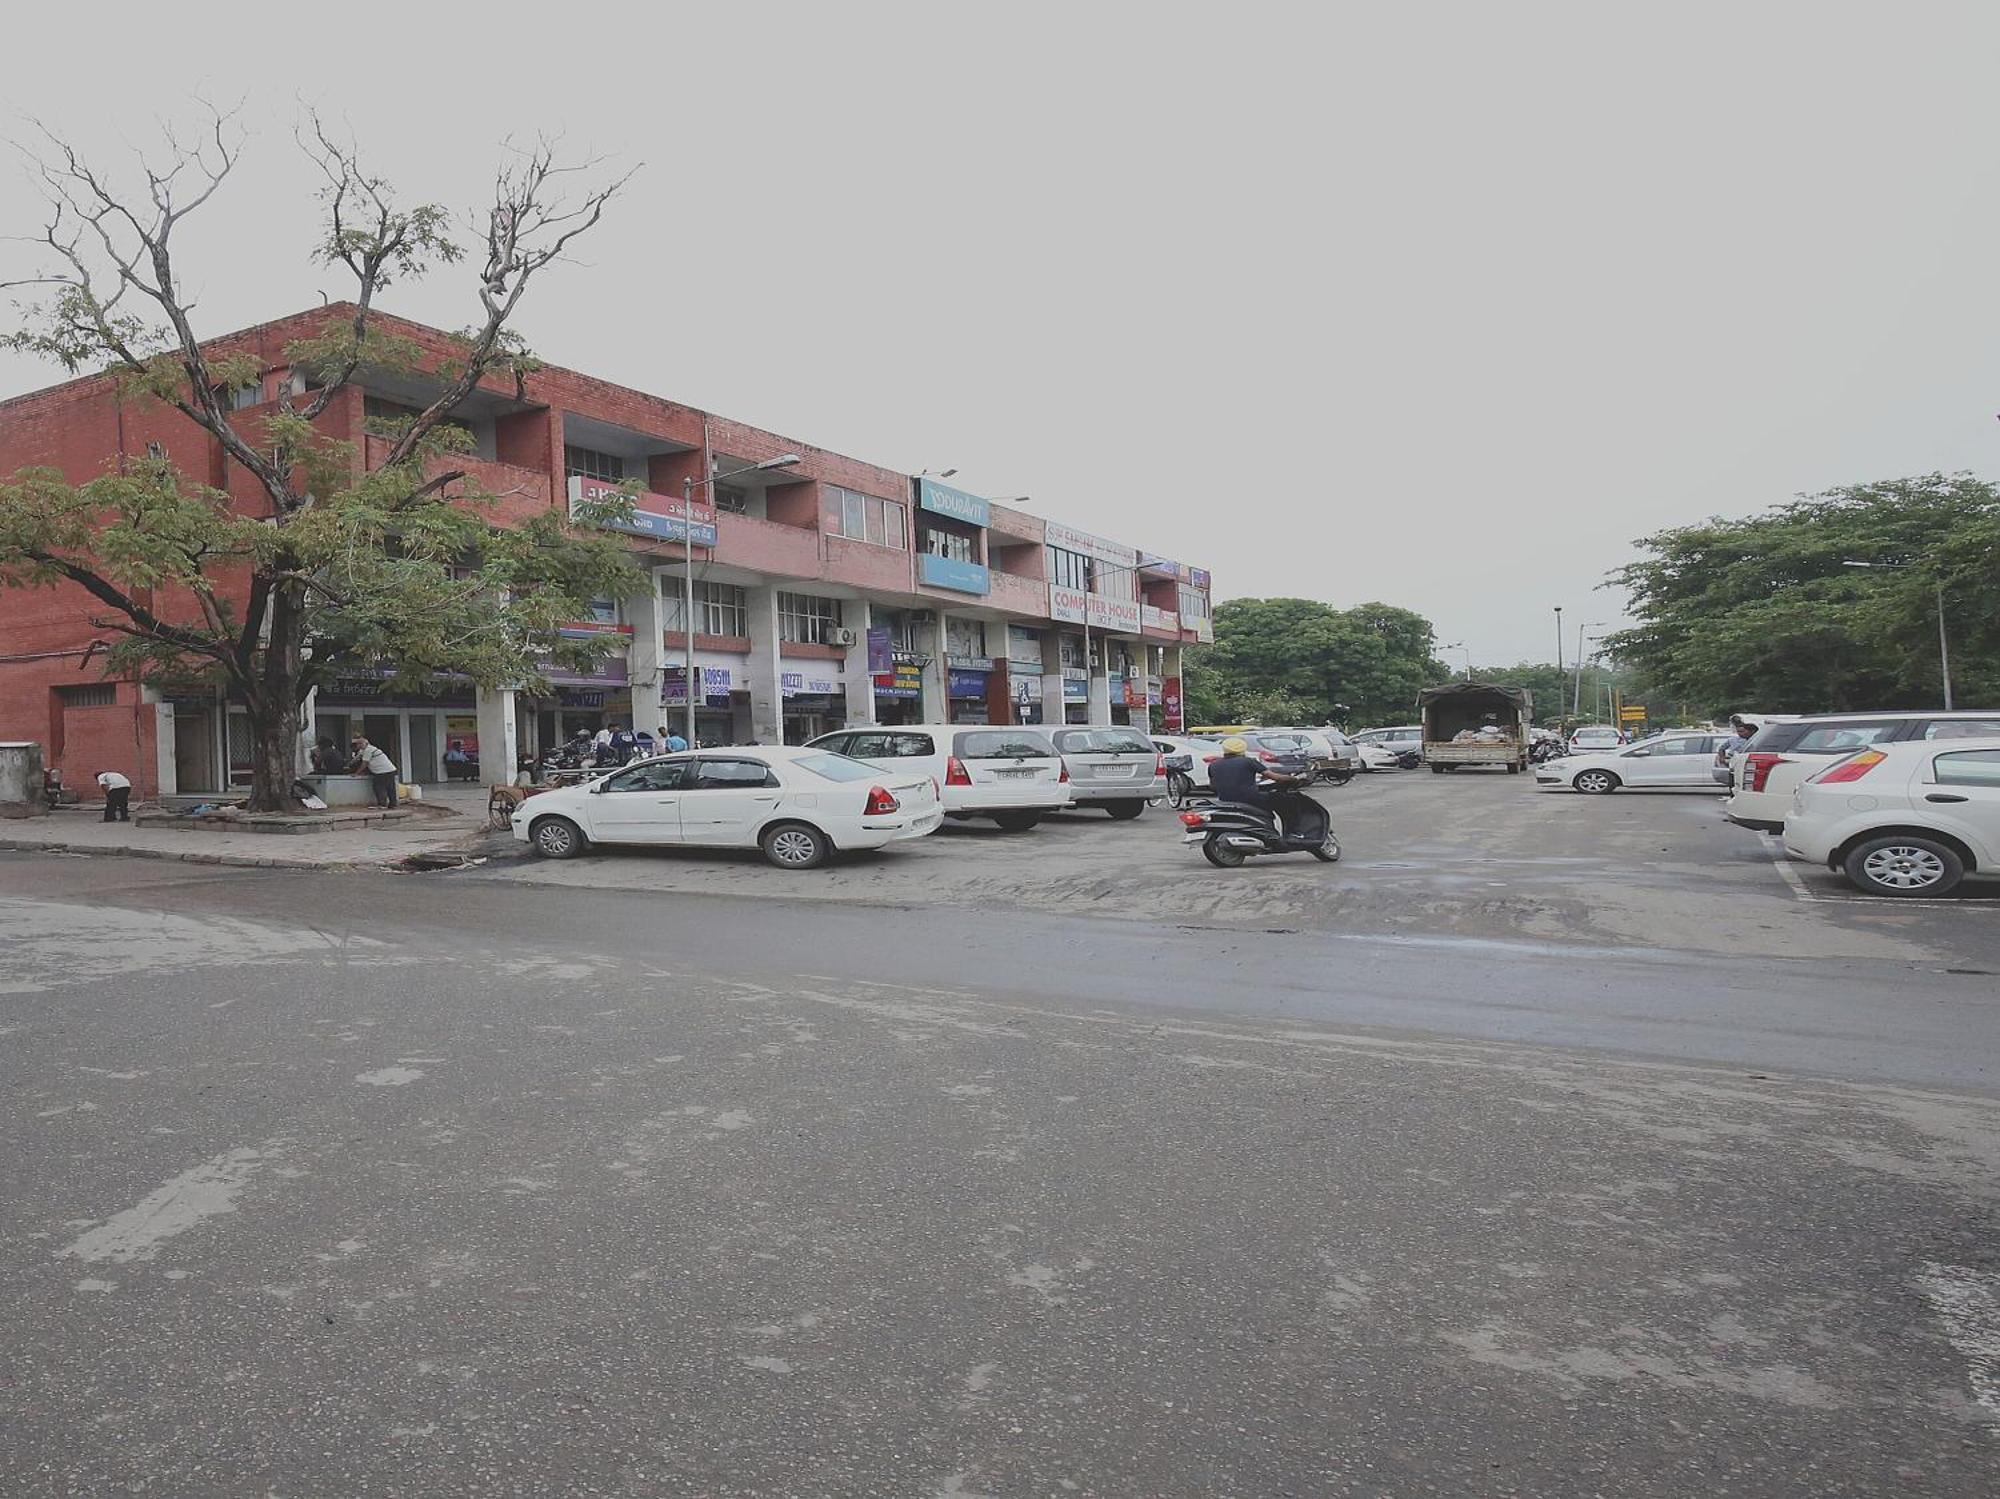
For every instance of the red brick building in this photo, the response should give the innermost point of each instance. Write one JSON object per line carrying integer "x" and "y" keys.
{"x": 809, "y": 580}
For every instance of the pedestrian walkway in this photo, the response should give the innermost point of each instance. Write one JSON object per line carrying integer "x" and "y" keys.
{"x": 81, "y": 831}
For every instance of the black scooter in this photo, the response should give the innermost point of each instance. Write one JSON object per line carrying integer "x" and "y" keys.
{"x": 1230, "y": 832}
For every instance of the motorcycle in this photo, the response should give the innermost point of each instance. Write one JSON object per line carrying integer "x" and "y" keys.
{"x": 1546, "y": 749}
{"x": 1230, "y": 832}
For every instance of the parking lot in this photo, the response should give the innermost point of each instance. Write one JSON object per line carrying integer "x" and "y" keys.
{"x": 1469, "y": 856}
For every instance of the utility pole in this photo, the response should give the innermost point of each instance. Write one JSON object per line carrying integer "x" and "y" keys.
{"x": 1559, "y": 642}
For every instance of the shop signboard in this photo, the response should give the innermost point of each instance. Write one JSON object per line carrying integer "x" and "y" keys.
{"x": 798, "y": 684}
{"x": 905, "y": 679}
{"x": 1170, "y": 704}
{"x": 1161, "y": 621}
{"x": 1069, "y": 605}
{"x": 462, "y": 729}
{"x": 715, "y": 683}
{"x": 662, "y": 517}
{"x": 942, "y": 499}
{"x": 608, "y": 672}
{"x": 1069, "y": 539}
{"x": 968, "y": 684}
{"x": 1135, "y": 692}
{"x": 934, "y": 571}
{"x": 580, "y": 697}
{"x": 1076, "y": 690}
{"x": 880, "y": 661}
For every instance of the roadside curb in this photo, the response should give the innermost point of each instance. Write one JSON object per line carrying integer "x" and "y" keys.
{"x": 241, "y": 861}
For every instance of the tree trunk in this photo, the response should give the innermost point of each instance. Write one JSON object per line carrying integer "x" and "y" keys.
{"x": 274, "y": 707}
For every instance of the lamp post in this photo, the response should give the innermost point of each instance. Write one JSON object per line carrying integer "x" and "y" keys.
{"x": 688, "y": 486}
{"x": 1559, "y": 642}
{"x": 1460, "y": 645}
{"x": 1944, "y": 642}
{"x": 1576, "y": 699}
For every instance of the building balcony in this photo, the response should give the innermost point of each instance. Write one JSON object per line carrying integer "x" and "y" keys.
{"x": 516, "y": 491}
{"x": 1028, "y": 597}
{"x": 766, "y": 546}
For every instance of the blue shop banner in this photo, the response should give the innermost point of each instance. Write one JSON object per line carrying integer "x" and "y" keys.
{"x": 942, "y": 499}
{"x": 948, "y": 572}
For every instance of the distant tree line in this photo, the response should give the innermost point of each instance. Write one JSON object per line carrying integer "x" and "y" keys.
{"x": 1300, "y": 661}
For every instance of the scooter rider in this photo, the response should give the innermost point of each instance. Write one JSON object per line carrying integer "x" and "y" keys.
{"x": 1238, "y": 778}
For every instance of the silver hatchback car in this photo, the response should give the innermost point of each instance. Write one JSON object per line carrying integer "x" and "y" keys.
{"x": 1119, "y": 770}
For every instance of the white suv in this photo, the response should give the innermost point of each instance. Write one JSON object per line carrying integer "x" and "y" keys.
{"x": 1909, "y": 817}
{"x": 1013, "y": 776}
{"x": 1785, "y": 752}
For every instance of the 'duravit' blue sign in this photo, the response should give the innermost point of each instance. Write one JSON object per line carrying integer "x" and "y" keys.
{"x": 949, "y": 572}
{"x": 942, "y": 499}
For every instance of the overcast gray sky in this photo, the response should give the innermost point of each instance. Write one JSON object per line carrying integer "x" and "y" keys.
{"x": 1438, "y": 304}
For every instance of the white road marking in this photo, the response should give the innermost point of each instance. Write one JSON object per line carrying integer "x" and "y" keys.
{"x": 1791, "y": 876}
{"x": 178, "y": 1205}
{"x": 1968, "y": 1303}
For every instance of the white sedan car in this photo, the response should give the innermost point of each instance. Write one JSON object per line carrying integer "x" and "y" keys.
{"x": 1907, "y": 818}
{"x": 799, "y": 805}
{"x": 1677, "y": 760}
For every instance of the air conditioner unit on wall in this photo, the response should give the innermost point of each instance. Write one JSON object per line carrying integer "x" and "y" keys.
{"x": 839, "y": 635}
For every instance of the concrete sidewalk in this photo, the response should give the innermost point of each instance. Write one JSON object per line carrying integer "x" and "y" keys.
{"x": 82, "y": 831}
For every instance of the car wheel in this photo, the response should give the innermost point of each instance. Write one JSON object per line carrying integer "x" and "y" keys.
{"x": 1124, "y": 811}
{"x": 1221, "y": 855}
{"x": 557, "y": 838}
{"x": 1903, "y": 865}
{"x": 1016, "y": 822}
{"x": 1329, "y": 851}
{"x": 1596, "y": 782}
{"x": 1180, "y": 788}
{"x": 793, "y": 845}
{"x": 1437, "y": 770}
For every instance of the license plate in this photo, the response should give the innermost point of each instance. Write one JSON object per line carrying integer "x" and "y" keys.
{"x": 1016, "y": 775}
{"x": 1194, "y": 837}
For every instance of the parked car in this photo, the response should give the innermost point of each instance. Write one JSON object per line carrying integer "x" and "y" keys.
{"x": 1903, "y": 817}
{"x": 799, "y": 805}
{"x": 1783, "y": 753}
{"x": 1012, "y": 775}
{"x": 1677, "y": 758}
{"x": 1116, "y": 769}
{"x": 1594, "y": 736}
{"x": 1405, "y": 741}
{"x": 1724, "y": 767}
{"x": 1377, "y": 757}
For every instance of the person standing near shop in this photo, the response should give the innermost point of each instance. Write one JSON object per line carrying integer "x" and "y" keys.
{"x": 117, "y": 796}
{"x": 379, "y": 767}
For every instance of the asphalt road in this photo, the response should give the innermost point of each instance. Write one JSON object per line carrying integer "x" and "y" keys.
{"x": 496, "y": 1183}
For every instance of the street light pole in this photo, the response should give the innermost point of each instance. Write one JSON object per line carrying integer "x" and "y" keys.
{"x": 1576, "y": 698}
{"x": 688, "y": 487}
{"x": 1559, "y": 642}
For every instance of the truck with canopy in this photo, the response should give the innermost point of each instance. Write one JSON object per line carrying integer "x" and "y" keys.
{"x": 1475, "y": 723}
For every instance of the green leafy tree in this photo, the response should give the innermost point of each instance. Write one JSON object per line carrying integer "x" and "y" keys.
{"x": 1769, "y": 613}
{"x": 332, "y": 567}
{"x": 1302, "y": 661}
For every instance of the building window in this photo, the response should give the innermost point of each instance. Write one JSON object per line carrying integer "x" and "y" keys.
{"x": 603, "y": 611}
{"x": 1072, "y": 652}
{"x": 948, "y": 544}
{"x": 807, "y": 619}
{"x": 382, "y": 417}
{"x": 964, "y": 637}
{"x": 1069, "y": 569}
{"x": 862, "y": 517}
{"x": 89, "y": 695}
{"x": 588, "y": 463}
{"x": 719, "y": 609}
{"x": 732, "y": 498}
{"x": 1194, "y": 604}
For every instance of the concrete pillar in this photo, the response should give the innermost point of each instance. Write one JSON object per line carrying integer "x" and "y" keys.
{"x": 495, "y": 710}
{"x": 937, "y": 680}
{"x": 767, "y": 699}
{"x": 860, "y": 686}
{"x": 165, "y": 773}
{"x": 646, "y": 667}
{"x": 1100, "y": 680}
{"x": 309, "y": 732}
{"x": 1052, "y": 679}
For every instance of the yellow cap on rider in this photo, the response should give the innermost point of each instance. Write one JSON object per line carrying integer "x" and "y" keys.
{"x": 1234, "y": 746}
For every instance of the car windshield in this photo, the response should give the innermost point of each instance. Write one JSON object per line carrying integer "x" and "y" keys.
{"x": 1104, "y": 742}
{"x": 1284, "y": 744}
{"x": 1002, "y": 744}
{"x": 836, "y": 768}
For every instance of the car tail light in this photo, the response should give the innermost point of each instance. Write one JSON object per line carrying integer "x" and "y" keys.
{"x": 955, "y": 773}
{"x": 1851, "y": 770}
{"x": 1159, "y": 765}
{"x": 880, "y": 803}
{"x": 1267, "y": 757}
{"x": 1063, "y": 774}
{"x": 1192, "y": 819}
{"x": 1757, "y": 768}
